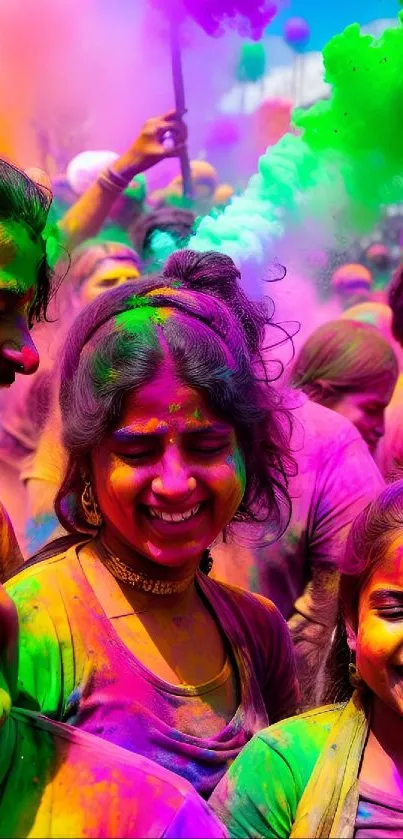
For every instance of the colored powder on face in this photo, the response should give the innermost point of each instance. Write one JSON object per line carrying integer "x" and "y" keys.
{"x": 174, "y": 408}
{"x": 334, "y": 177}
{"x": 19, "y": 258}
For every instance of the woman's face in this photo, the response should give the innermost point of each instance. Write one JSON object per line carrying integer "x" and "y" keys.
{"x": 170, "y": 476}
{"x": 379, "y": 643}
{"x": 366, "y": 410}
{"x": 19, "y": 263}
{"x": 109, "y": 274}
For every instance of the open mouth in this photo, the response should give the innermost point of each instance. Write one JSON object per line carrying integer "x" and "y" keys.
{"x": 159, "y": 516}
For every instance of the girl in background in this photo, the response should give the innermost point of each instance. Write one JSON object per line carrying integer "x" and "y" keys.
{"x": 338, "y": 770}
{"x": 350, "y": 368}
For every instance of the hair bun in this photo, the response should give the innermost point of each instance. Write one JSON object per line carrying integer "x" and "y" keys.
{"x": 212, "y": 272}
{"x": 216, "y": 274}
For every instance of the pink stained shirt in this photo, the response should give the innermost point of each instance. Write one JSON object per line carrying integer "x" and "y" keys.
{"x": 337, "y": 477}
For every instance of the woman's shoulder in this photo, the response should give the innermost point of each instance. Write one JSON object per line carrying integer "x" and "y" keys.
{"x": 252, "y": 606}
{"x": 241, "y": 595}
{"x": 308, "y": 731}
{"x": 35, "y": 576}
{"x": 260, "y": 793}
{"x": 252, "y": 619}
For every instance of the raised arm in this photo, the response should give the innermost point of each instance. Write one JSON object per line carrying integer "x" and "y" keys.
{"x": 160, "y": 138}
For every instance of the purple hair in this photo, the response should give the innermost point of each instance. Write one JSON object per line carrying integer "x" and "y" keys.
{"x": 343, "y": 356}
{"x": 214, "y": 347}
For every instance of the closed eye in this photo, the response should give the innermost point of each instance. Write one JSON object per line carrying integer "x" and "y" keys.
{"x": 206, "y": 449}
{"x": 392, "y": 613}
{"x": 108, "y": 281}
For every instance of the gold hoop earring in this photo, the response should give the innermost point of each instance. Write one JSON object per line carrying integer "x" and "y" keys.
{"x": 353, "y": 674}
{"x": 90, "y": 507}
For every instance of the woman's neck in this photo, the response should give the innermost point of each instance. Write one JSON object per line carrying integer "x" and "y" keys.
{"x": 108, "y": 544}
{"x": 387, "y": 726}
{"x": 123, "y": 599}
{"x": 383, "y": 759}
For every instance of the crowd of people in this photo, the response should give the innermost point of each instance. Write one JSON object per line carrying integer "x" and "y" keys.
{"x": 201, "y": 618}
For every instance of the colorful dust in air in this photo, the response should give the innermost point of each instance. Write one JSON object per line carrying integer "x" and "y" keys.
{"x": 73, "y": 78}
{"x": 312, "y": 192}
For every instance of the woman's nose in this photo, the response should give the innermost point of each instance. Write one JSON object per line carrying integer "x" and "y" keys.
{"x": 380, "y": 426}
{"x": 24, "y": 358}
{"x": 173, "y": 486}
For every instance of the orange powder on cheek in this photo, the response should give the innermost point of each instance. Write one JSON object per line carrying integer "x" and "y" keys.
{"x": 120, "y": 476}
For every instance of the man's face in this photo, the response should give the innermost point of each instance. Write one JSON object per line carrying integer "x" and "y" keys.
{"x": 20, "y": 258}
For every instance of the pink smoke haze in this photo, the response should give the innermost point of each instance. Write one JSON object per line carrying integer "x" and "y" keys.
{"x": 86, "y": 74}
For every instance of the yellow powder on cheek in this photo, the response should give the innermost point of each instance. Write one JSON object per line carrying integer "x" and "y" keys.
{"x": 374, "y": 639}
{"x": 121, "y": 476}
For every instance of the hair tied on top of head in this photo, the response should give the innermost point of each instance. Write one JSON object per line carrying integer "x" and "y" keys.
{"x": 202, "y": 271}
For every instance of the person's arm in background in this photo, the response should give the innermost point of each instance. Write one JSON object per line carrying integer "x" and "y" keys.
{"x": 347, "y": 482}
{"x": 11, "y": 556}
{"x": 42, "y": 474}
{"x": 85, "y": 218}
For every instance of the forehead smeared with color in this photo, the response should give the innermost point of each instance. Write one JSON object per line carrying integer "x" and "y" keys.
{"x": 19, "y": 258}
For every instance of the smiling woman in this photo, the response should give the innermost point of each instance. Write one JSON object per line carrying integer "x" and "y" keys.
{"x": 170, "y": 437}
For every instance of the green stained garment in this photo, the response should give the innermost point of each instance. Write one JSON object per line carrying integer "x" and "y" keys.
{"x": 298, "y": 778}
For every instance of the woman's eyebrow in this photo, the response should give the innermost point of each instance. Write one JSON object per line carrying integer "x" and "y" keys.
{"x": 126, "y": 435}
{"x": 210, "y": 428}
{"x": 383, "y": 594}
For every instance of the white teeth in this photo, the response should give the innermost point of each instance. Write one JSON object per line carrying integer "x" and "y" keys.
{"x": 174, "y": 517}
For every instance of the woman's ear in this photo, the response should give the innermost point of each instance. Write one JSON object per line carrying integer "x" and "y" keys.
{"x": 351, "y": 637}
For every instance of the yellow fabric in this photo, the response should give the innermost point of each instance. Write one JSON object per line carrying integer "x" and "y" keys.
{"x": 328, "y": 806}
